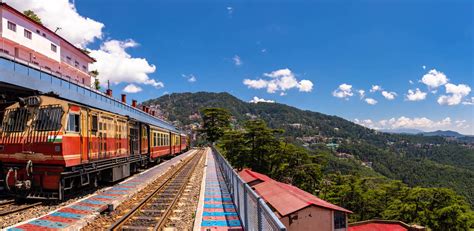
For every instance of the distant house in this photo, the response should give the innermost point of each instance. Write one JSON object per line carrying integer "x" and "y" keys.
{"x": 332, "y": 146}
{"x": 297, "y": 209}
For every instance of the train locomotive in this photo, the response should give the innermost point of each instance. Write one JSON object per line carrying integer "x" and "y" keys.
{"x": 51, "y": 147}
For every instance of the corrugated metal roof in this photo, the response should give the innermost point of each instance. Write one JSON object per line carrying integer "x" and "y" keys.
{"x": 248, "y": 176}
{"x": 285, "y": 198}
{"x": 378, "y": 227}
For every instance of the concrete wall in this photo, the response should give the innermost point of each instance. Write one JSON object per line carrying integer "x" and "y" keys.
{"x": 310, "y": 218}
{"x": 38, "y": 42}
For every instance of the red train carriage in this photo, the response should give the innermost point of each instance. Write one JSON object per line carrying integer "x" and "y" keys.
{"x": 160, "y": 145}
{"x": 184, "y": 142}
{"x": 49, "y": 146}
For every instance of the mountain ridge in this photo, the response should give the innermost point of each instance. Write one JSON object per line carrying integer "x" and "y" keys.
{"x": 417, "y": 160}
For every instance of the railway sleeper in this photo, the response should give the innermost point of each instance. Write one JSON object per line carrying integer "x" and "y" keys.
{"x": 132, "y": 227}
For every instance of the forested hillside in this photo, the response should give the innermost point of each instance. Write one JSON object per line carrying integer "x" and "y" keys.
{"x": 429, "y": 161}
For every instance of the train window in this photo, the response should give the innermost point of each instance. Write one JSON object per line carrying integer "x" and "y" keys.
{"x": 15, "y": 120}
{"x": 95, "y": 123}
{"x": 73, "y": 124}
{"x": 49, "y": 118}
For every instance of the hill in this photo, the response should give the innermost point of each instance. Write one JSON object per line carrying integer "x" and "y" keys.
{"x": 417, "y": 160}
{"x": 443, "y": 133}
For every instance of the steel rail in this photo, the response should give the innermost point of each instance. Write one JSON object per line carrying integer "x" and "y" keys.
{"x": 7, "y": 202}
{"x": 21, "y": 208}
{"x": 191, "y": 163}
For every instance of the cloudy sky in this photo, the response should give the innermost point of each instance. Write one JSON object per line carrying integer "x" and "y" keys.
{"x": 385, "y": 65}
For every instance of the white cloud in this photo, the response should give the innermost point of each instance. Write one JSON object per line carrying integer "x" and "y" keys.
{"x": 371, "y": 101}
{"x": 237, "y": 60}
{"x": 305, "y": 85}
{"x": 411, "y": 82}
{"x": 230, "y": 10}
{"x": 389, "y": 95}
{"x": 406, "y": 122}
{"x": 416, "y": 95}
{"x": 263, "y": 50}
{"x": 132, "y": 88}
{"x": 280, "y": 80}
{"x": 361, "y": 93}
{"x": 469, "y": 101}
{"x": 116, "y": 65}
{"x": 259, "y": 100}
{"x": 457, "y": 93}
{"x": 424, "y": 67}
{"x": 343, "y": 91}
{"x": 461, "y": 124}
{"x": 77, "y": 29}
{"x": 256, "y": 83}
{"x": 375, "y": 88}
{"x": 434, "y": 79}
{"x": 191, "y": 78}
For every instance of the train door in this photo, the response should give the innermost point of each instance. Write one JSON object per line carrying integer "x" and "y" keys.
{"x": 94, "y": 136}
{"x": 103, "y": 124}
{"x": 171, "y": 143}
{"x": 144, "y": 141}
{"x": 134, "y": 139}
{"x": 83, "y": 135}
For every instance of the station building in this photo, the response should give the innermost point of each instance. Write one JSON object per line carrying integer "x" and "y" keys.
{"x": 297, "y": 209}
{"x": 26, "y": 41}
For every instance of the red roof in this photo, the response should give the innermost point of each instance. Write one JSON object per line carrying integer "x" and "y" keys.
{"x": 285, "y": 198}
{"x": 378, "y": 227}
{"x": 248, "y": 176}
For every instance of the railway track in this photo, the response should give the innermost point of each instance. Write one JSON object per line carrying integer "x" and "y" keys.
{"x": 152, "y": 212}
{"x": 9, "y": 207}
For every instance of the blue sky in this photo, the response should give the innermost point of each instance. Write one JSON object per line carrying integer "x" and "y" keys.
{"x": 332, "y": 44}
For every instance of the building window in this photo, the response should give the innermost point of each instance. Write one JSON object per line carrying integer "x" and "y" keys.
{"x": 11, "y": 26}
{"x": 54, "y": 48}
{"x": 38, "y": 31}
{"x": 339, "y": 220}
{"x": 27, "y": 34}
{"x": 73, "y": 124}
{"x": 76, "y": 63}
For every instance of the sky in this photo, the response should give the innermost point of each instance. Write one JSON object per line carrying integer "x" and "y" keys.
{"x": 383, "y": 64}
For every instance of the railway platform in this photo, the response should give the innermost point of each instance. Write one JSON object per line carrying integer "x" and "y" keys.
{"x": 216, "y": 210}
{"x": 77, "y": 215}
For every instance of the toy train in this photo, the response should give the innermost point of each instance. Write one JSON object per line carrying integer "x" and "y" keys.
{"x": 50, "y": 147}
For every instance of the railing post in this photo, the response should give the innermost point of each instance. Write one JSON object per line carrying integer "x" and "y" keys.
{"x": 237, "y": 197}
{"x": 246, "y": 219}
{"x": 259, "y": 215}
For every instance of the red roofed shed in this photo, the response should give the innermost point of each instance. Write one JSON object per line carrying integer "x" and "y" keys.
{"x": 383, "y": 225}
{"x": 297, "y": 209}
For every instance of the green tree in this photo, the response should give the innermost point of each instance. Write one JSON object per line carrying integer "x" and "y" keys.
{"x": 31, "y": 14}
{"x": 95, "y": 74}
{"x": 215, "y": 122}
{"x": 262, "y": 143}
{"x": 237, "y": 153}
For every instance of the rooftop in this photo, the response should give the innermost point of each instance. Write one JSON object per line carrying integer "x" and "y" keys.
{"x": 382, "y": 225}
{"x": 285, "y": 198}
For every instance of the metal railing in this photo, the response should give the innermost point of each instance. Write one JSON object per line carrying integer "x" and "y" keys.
{"x": 252, "y": 209}
{"x": 27, "y": 75}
